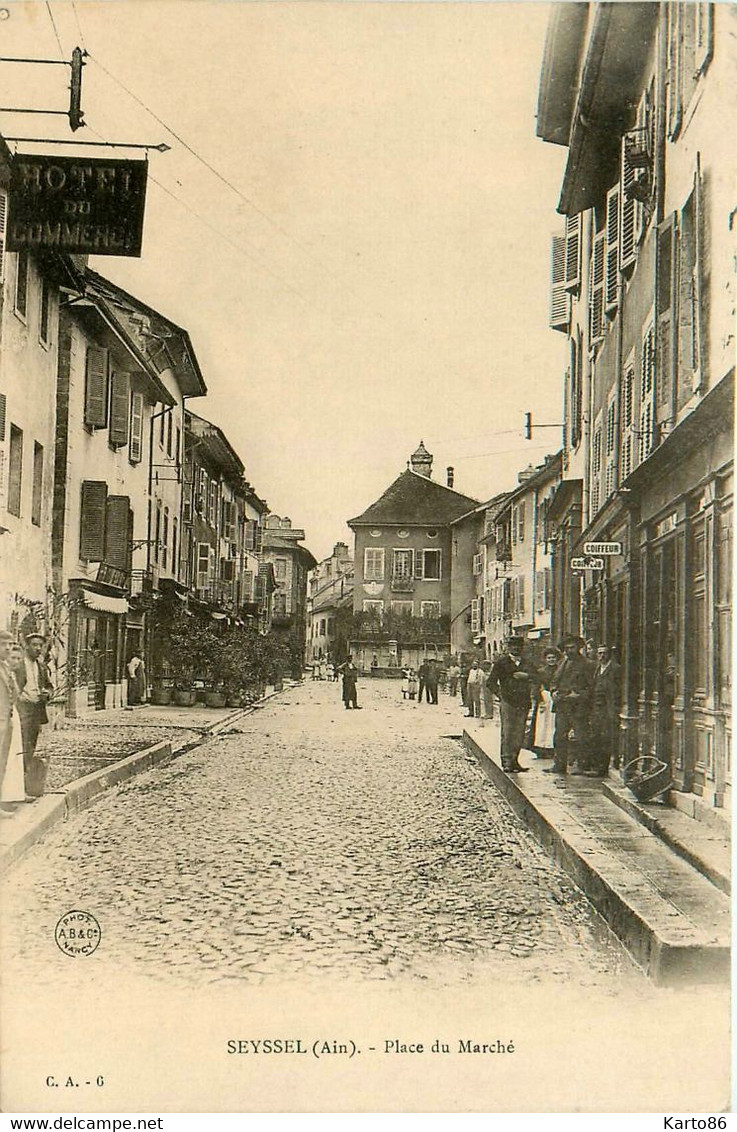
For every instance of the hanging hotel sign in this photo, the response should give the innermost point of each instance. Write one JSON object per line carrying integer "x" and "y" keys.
{"x": 602, "y": 548}
{"x": 587, "y": 563}
{"x": 81, "y": 206}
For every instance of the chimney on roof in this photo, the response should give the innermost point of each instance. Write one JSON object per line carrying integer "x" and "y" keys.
{"x": 286, "y": 522}
{"x": 421, "y": 461}
{"x": 450, "y": 476}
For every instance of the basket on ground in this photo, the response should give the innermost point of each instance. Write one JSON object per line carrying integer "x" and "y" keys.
{"x": 647, "y": 777}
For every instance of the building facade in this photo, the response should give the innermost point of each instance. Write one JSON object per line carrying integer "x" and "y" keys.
{"x": 404, "y": 568}
{"x": 330, "y": 595}
{"x": 291, "y": 562}
{"x": 643, "y": 286}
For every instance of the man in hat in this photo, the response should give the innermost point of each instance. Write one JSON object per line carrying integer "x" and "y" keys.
{"x": 511, "y": 682}
{"x": 571, "y": 688}
{"x": 35, "y": 689}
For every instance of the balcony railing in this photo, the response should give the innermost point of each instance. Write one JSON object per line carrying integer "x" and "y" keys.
{"x": 401, "y": 584}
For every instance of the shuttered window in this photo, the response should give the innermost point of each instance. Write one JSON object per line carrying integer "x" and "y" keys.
{"x": 203, "y": 564}
{"x": 596, "y": 289}
{"x": 38, "y": 480}
{"x": 3, "y": 222}
{"x": 116, "y": 531}
{"x": 21, "y": 284}
{"x": 15, "y": 470}
{"x": 96, "y": 388}
{"x": 690, "y": 49}
{"x": 611, "y": 286}
{"x": 647, "y": 392}
{"x": 174, "y": 547}
{"x": 92, "y": 521}
{"x": 45, "y": 315}
{"x": 135, "y": 443}
{"x": 165, "y": 541}
{"x": 119, "y": 409}
{"x": 560, "y": 300}
{"x": 573, "y": 253}
{"x": 373, "y": 564}
{"x": 628, "y": 211}
{"x": 689, "y": 365}
{"x": 666, "y": 291}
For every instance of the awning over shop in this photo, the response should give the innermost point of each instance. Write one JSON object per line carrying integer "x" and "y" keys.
{"x": 104, "y": 603}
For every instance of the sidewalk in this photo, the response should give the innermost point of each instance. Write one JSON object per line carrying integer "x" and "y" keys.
{"x": 659, "y": 884}
{"x": 96, "y": 752}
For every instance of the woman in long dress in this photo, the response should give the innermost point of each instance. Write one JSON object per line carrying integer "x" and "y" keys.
{"x": 543, "y": 718}
{"x": 13, "y": 788}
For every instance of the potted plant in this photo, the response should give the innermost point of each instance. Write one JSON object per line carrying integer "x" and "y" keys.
{"x": 189, "y": 648}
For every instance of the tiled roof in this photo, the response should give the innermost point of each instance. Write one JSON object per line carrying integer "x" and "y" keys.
{"x": 415, "y": 499}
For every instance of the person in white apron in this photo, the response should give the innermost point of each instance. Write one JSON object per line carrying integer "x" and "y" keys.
{"x": 543, "y": 717}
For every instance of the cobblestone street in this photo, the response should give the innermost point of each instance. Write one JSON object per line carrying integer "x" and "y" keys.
{"x": 309, "y": 841}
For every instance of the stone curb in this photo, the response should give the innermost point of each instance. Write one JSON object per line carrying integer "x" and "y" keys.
{"x": 82, "y": 792}
{"x": 665, "y": 962}
{"x": 651, "y": 822}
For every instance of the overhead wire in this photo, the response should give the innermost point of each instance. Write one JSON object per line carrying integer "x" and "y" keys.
{"x": 79, "y": 26}
{"x": 56, "y": 30}
{"x": 216, "y": 172}
{"x": 237, "y": 247}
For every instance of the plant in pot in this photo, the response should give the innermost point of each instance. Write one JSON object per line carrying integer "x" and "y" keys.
{"x": 190, "y": 645}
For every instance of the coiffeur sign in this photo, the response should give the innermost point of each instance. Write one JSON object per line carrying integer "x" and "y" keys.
{"x": 76, "y": 205}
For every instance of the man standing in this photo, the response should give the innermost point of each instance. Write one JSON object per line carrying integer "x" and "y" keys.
{"x": 511, "y": 681}
{"x": 604, "y": 713}
{"x": 35, "y": 692}
{"x": 350, "y": 677}
{"x": 422, "y": 683}
{"x": 571, "y": 688}
{"x": 431, "y": 681}
{"x": 454, "y": 672}
{"x": 8, "y": 695}
{"x": 474, "y": 687}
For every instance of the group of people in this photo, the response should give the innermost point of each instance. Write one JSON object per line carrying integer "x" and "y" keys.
{"x": 424, "y": 681}
{"x": 25, "y": 690}
{"x": 567, "y": 710}
{"x": 324, "y": 669}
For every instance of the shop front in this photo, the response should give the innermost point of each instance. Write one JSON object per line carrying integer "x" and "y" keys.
{"x": 96, "y": 651}
{"x": 684, "y": 495}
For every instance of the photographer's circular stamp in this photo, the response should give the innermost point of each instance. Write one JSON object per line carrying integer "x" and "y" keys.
{"x": 78, "y": 933}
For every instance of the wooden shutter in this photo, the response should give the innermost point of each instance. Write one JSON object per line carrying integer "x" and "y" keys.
{"x": 647, "y": 392}
{"x": 135, "y": 445}
{"x": 96, "y": 388}
{"x": 704, "y": 37}
{"x": 687, "y": 301}
{"x": 419, "y": 563}
{"x": 119, "y": 409}
{"x": 611, "y": 269}
{"x": 3, "y": 409}
{"x": 665, "y": 321}
{"x": 92, "y": 521}
{"x": 3, "y": 217}
{"x": 596, "y": 290}
{"x": 628, "y": 216}
{"x": 560, "y": 300}
{"x": 573, "y": 252}
{"x": 117, "y": 514}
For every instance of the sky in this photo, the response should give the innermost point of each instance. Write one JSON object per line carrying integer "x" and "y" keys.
{"x": 359, "y": 245}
